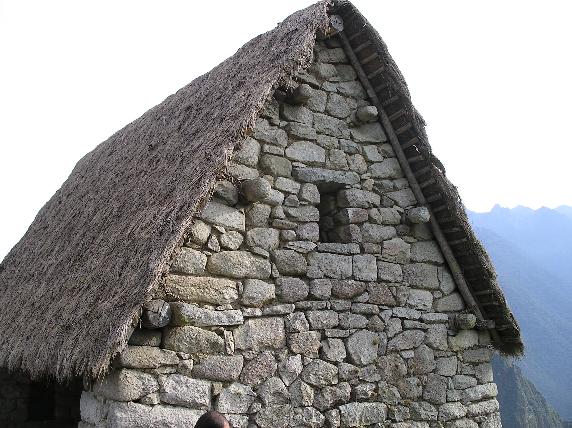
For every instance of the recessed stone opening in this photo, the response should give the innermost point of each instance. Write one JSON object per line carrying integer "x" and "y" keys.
{"x": 28, "y": 404}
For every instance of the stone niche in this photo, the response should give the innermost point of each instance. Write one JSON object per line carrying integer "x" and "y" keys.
{"x": 28, "y": 404}
{"x": 309, "y": 292}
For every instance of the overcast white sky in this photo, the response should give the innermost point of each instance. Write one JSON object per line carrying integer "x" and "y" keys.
{"x": 492, "y": 79}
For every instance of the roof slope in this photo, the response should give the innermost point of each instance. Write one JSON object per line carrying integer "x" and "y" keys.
{"x": 97, "y": 250}
{"x": 94, "y": 253}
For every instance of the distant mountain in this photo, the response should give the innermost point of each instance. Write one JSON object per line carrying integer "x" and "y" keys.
{"x": 531, "y": 250}
{"x": 522, "y": 406}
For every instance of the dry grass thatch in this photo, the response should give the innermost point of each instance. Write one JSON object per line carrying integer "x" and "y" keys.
{"x": 94, "y": 253}
{"x": 97, "y": 250}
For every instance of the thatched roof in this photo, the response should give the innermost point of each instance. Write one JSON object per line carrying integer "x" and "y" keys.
{"x": 97, "y": 250}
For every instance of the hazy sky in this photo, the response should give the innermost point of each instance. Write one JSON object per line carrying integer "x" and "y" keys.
{"x": 493, "y": 80}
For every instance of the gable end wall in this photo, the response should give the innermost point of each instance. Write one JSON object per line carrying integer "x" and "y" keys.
{"x": 314, "y": 296}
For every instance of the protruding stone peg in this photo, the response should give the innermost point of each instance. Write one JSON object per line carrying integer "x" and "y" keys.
{"x": 156, "y": 314}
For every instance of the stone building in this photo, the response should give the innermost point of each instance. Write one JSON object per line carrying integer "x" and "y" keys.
{"x": 275, "y": 241}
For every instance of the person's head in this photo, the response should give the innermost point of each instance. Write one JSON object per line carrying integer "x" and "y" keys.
{"x": 212, "y": 419}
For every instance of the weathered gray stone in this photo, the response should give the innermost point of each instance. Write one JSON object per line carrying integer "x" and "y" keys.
{"x": 483, "y": 408}
{"x": 231, "y": 240}
{"x": 437, "y": 337}
{"x": 235, "y": 398}
{"x": 479, "y": 392}
{"x": 306, "y": 343}
{"x": 126, "y": 385}
{"x": 451, "y": 303}
{"x": 423, "y": 360}
{"x": 463, "y": 381}
{"x": 435, "y": 390}
{"x": 379, "y": 294}
{"x": 421, "y": 275}
{"x": 484, "y": 372}
{"x": 357, "y": 198}
{"x": 278, "y": 416}
{"x": 256, "y": 189}
{"x": 305, "y": 213}
{"x": 289, "y": 262}
{"x": 270, "y": 134}
{"x": 273, "y": 391}
{"x": 366, "y": 114}
{"x": 320, "y": 373}
{"x": 423, "y": 411}
{"x": 135, "y": 415}
{"x": 338, "y": 248}
{"x": 331, "y": 265}
{"x": 257, "y": 370}
{"x": 257, "y": 293}
{"x": 224, "y": 368}
{"x": 396, "y": 250}
{"x": 296, "y": 322}
{"x": 184, "y": 391}
{"x": 147, "y": 357}
{"x": 263, "y": 237}
{"x": 351, "y": 215}
{"x": 187, "y": 314}
{"x": 281, "y": 309}
{"x": 307, "y": 417}
{"x": 308, "y": 232}
{"x": 365, "y": 267}
{"x": 144, "y": 337}
{"x": 362, "y": 414}
{"x": 239, "y": 264}
{"x": 301, "y": 131}
{"x": 390, "y": 272}
{"x": 420, "y": 299}
{"x": 260, "y": 333}
{"x": 332, "y": 126}
{"x": 326, "y": 178}
{"x": 291, "y": 289}
{"x": 351, "y": 89}
{"x": 426, "y": 251}
{"x": 199, "y": 232}
{"x": 218, "y": 291}
{"x": 418, "y": 215}
{"x": 290, "y": 368}
{"x": 406, "y": 340}
{"x": 465, "y": 321}
{"x": 404, "y": 197}
{"x": 223, "y": 215}
{"x": 389, "y": 168}
{"x": 368, "y": 133}
{"x": 247, "y": 152}
{"x": 410, "y": 388}
{"x": 333, "y": 350}
{"x": 331, "y": 396}
{"x": 241, "y": 172}
{"x": 322, "y": 319}
{"x": 339, "y": 106}
{"x": 189, "y": 261}
{"x": 226, "y": 191}
{"x": 377, "y": 233}
{"x": 276, "y": 166}
{"x": 446, "y": 366}
{"x": 306, "y": 152}
{"x": 357, "y": 163}
{"x": 296, "y": 114}
{"x": 321, "y": 289}
{"x": 387, "y": 216}
{"x": 348, "y": 320}
{"x": 192, "y": 340}
{"x": 362, "y": 347}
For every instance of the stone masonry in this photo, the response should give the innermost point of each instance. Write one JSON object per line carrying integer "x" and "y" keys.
{"x": 310, "y": 291}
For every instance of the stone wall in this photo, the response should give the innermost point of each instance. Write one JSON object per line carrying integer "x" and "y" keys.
{"x": 310, "y": 292}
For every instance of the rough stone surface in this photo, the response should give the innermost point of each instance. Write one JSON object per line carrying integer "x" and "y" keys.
{"x": 183, "y": 391}
{"x": 261, "y": 333}
{"x": 224, "y": 368}
{"x": 239, "y": 264}
{"x": 218, "y": 291}
{"x": 310, "y": 292}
